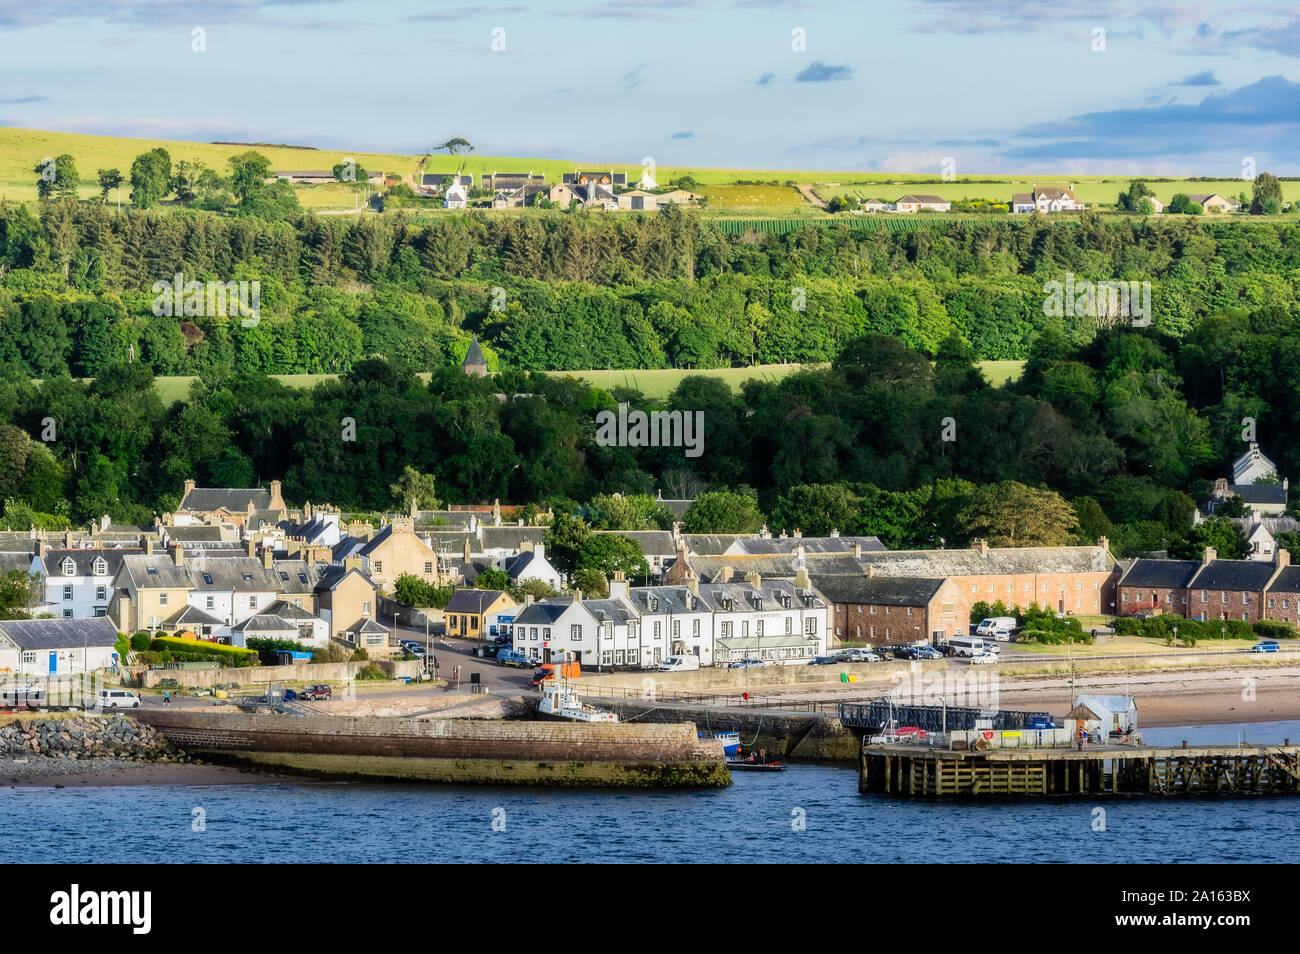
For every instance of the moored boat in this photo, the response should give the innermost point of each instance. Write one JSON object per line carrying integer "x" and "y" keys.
{"x": 730, "y": 741}
{"x": 562, "y": 704}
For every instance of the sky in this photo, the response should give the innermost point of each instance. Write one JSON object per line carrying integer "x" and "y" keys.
{"x": 839, "y": 85}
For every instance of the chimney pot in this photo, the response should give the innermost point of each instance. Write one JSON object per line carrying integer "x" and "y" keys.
{"x": 178, "y": 555}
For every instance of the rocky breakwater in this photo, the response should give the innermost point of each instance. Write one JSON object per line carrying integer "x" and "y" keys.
{"x": 77, "y": 745}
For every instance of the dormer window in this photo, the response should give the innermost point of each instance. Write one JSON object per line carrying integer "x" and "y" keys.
{"x": 69, "y": 567}
{"x": 99, "y": 567}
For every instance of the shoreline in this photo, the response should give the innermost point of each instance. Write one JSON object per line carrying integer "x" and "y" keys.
{"x": 43, "y": 772}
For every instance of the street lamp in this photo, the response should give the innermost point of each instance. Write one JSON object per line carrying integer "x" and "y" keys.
{"x": 1175, "y": 637}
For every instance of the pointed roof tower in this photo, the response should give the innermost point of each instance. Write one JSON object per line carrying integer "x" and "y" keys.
{"x": 474, "y": 362}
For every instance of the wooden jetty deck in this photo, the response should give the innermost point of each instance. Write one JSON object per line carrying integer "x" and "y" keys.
{"x": 1098, "y": 771}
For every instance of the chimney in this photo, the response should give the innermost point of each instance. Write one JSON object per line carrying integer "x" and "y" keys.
{"x": 577, "y": 596}
{"x": 753, "y": 579}
{"x": 526, "y": 546}
{"x": 67, "y": 538}
{"x": 798, "y": 534}
{"x": 539, "y": 551}
{"x": 40, "y": 547}
{"x": 266, "y": 558}
{"x": 178, "y": 555}
{"x": 251, "y": 546}
{"x": 693, "y": 584}
{"x": 1104, "y": 543}
{"x": 189, "y": 485}
{"x": 801, "y": 579}
{"x": 277, "y": 502}
{"x": 467, "y": 551}
{"x": 496, "y": 512}
{"x": 724, "y": 575}
{"x": 528, "y": 599}
{"x": 981, "y": 545}
{"x": 352, "y": 563}
{"x": 618, "y": 587}
{"x": 146, "y": 544}
{"x": 834, "y": 532}
{"x": 1209, "y": 556}
{"x": 871, "y": 571}
{"x": 857, "y": 550}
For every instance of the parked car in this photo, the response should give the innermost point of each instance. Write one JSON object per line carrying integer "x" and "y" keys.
{"x": 502, "y": 639}
{"x": 513, "y": 657}
{"x": 491, "y": 650}
{"x": 946, "y": 649}
{"x": 687, "y": 663}
{"x": 988, "y": 626}
{"x": 417, "y": 650}
{"x": 928, "y": 652}
{"x": 983, "y": 658}
{"x": 823, "y": 661}
{"x": 1268, "y": 646}
{"x": 747, "y": 664}
{"x": 318, "y": 691}
{"x": 289, "y": 695}
{"x": 1001, "y": 635}
{"x": 856, "y": 656}
{"x": 906, "y": 652}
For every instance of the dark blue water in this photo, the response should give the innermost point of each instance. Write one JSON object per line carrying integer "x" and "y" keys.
{"x": 757, "y": 819}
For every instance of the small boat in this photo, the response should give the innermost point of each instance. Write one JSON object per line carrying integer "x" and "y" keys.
{"x": 754, "y": 764}
{"x": 730, "y": 741}
{"x": 562, "y": 704}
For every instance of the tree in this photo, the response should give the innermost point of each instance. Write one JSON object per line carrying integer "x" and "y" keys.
{"x": 1010, "y": 514}
{"x": 724, "y": 511}
{"x": 631, "y": 512}
{"x": 1222, "y": 534}
{"x": 349, "y": 172}
{"x": 453, "y": 146}
{"x": 109, "y": 179}
{"x": 609, "y": 553}
{"x": 185, "y": 183}
{"x": 151, "y": 178}
{"x": 57, "y": 177}
{"x": 248, "y": 174}
{"x": 413, "y": 489}
{"x": 564, "y": 540}
{"x": 492, "y": 579}
{"x": 1267, "y": 199}
{"x": 1131, "y": 200}
{"x": 410, "y": 590}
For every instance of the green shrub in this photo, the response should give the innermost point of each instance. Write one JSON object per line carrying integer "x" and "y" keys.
{"x": 268, "y": 649}
{"x": 372, "y": 672}
{"x": 359, "y": 655}
{"x": 1272, "y": 629}
{"x": 140, "y": 641}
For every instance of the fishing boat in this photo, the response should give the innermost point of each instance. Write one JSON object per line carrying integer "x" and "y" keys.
{"x": 560, "y": 703}
{"x": 730, "y": 741}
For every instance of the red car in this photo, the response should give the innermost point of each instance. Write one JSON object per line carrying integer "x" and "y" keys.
{"x": 315, "y": 692}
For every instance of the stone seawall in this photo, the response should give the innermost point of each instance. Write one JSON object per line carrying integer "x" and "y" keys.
{"x": 452, "y": 749}
{"x": 262, "y": 675}
{"x": 796, "y": 735}
{"x": 718, "y": 679}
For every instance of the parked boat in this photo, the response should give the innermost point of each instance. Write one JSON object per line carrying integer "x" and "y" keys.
{"x": 562, "y": 704}
{"x": 730, "y": 741}
{"x": 755, "y": 763}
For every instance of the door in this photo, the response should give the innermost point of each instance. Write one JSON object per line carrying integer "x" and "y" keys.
{"x": 54, "y": 662}
{"x": 546, "y": 655}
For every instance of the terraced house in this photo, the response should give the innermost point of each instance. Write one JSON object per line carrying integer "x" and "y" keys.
{"x": 1210, "y": 588}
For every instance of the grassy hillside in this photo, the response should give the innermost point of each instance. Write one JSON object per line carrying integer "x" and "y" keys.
{"x": 656, "y": 383}
{"x": 22, "y": 149}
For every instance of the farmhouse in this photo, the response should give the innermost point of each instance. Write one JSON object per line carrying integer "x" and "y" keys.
{"x": 919, "y": 203}
{"x": 510, "y": 181}
{"x": 1046, "y": 200}
{"x": 611, "y": 179}
{"x": 1213, "y": 202}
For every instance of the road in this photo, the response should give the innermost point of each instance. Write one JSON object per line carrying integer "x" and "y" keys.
{"x": 811, "y": 196}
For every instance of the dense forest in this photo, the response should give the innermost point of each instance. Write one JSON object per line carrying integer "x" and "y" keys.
{"x": 1113, "y": 430}
{"x": 553, "y": 290}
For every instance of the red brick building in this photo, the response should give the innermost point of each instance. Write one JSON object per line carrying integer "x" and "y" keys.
{"x": 1248, "y": 590}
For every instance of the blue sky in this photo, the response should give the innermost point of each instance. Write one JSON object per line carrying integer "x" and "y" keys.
{"x": 1013, "y": 86}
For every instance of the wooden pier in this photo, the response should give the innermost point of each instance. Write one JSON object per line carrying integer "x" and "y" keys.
{"x": 1097, "y": 772}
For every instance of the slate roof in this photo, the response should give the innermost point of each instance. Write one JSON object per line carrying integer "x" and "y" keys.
{"x": 287, "y": 610}
{"x": 710, "y": 568}
{"x": 332, "y": 576}
{"x": 194, "y": 534}
{"x": 653, "y": 542}
{"x": 1260, "y": 493}
{"x": 541, "y": 613}
{"x": 1001, "y": 561}
{"x": 474, "y": 356}
{"x": 193, "y": 616}
{"x": 667, "y": 599}
{"x": 511, "y": 538}
{"x": 882, "y": 590}
{"x": 83, "y": 561}
{"x": 243, "y": 573}
{"x": 291, "y": 573}
{"x": 59, "y": 633}
{"x": 1288, "y": 581}
{"x": 1160, "y": 574}
{"x": 16, "y": 560}
{"x": 154, "y": 571}
{"x": 467, "y": 600}
{"x": 265, "y": 623}
{"x": 206, "y": 499}
{"x": 811, "y": 545}
{"x": 610, "y": 610}
{"x": 1248, "y": 575}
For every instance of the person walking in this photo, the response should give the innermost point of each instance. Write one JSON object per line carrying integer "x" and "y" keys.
{"x": 167, "y": 697}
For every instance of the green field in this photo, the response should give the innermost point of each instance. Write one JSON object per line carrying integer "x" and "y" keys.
{"x": 22, "y": 149}
{"x": 655, "y": 383}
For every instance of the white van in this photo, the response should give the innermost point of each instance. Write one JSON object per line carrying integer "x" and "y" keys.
{"x": 966, "y": 645}
{"x": 688, "y": 663}
{"x": 998, "y": 627}
{"x": 118, "y": 699}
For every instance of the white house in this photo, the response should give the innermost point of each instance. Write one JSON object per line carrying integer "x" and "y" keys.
{"x": 456, "y": 196}
{"x": 674, "y": 622}
{"x": 532, "y": 564}
{"x": 78, "y": 583}
{"x": 560, "y": 629}
{"x": 772, "y": 620}
{"x": 918, "y": 203}
{"x": 1046, "y": 200}
{"x": 231, "y": 589}
{"x": 282, "y": 620}
{"x": 49, "y": 647}
{"x": 1253, "y": 466}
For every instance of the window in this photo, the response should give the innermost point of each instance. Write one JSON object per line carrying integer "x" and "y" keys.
{"x": 212, "y": 602}
{"x": 365, "y": 607}
{"x": 162, "y": 599}
{"x": 67, "y": 592}
{"x": 810, "y": 626}
{"x": 101, "y": 592}
{"x": 677, "y": 628}
{"x": 534, "y": 632}
{"x": 374, "y": 640}
{"x": 428, "y": 568}
{"x": 284, "y": 577}
{"x": 67, "y": 614}
{"x": 726, "y": 629}
{"x": 658, "y": 635}
{"x": 207, "y": 578}
{"x": 575, "y": 632}
{"x": 69, "y": 568}
{"x": 99, "y": 567}
{"x": 758, "y": 629}
{"x": 873, "y": 609}
{"x": 252, "y": 602}
{"x": 618, "y": 657}
{"x": 379, "y": 566}
{"x": 695, "y": 628}
{"x": 29, "y": 656}
{"x": 789, "y": 625}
